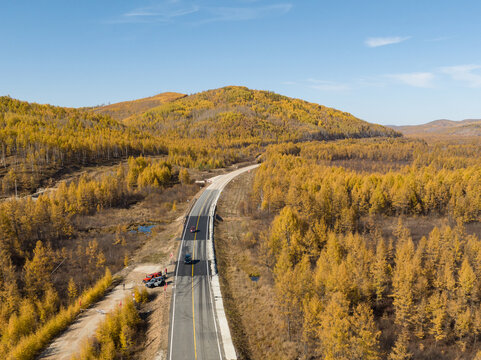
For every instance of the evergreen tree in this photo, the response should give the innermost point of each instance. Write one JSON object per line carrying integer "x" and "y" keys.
{"x": 400, "y": 351}
{"x": 72, "y": 290}
{"x": 380, "y": 270}
{"x": 38, "y": 269}
{"x": 364, "y": 334}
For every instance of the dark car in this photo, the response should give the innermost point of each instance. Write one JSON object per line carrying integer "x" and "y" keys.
{"x": 193, "y": 229}
{"x": 188, "y": 258}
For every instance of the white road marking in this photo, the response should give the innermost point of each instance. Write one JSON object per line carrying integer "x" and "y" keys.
{"x": 210, "y": 289}
{"x": 229, "y": 350}
{"x": 175, "y": 282}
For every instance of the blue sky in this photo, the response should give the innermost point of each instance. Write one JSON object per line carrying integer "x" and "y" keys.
{"x": 389, "y": 61}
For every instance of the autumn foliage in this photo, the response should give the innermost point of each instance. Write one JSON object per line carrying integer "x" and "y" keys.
{"x": 116, "y": 335}
{"x": 354, "y": 292}
{"x": 28, "y": 333}
{"x": 41, "y": 143}
{"x": 31, "y": 309}
{"x": 206, "y": 130}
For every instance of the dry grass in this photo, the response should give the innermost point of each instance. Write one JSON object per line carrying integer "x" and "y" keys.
{"x": 418, "y": 226}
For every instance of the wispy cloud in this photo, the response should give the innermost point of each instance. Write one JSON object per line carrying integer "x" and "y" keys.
{"x": 161, "y": 14}
{"x": 168, "y": 11}
{"x": 244, "y": 13}
{"x": 164, "y": 12}
{"x": 383, "y": 41}
{"x": 417, "y": 79}
{"x": 467, "y": 75}
{"x": 464, "y": 73}
{"x": 326, "y": 85}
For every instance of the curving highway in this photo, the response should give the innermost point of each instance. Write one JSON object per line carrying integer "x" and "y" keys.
{"x": 195, "y": 331}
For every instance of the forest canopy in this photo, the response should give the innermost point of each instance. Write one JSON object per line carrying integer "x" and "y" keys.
{"x": 363, "y": 286}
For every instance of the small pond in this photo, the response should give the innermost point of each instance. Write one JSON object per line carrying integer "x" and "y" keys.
{"x": 145, "y": 229}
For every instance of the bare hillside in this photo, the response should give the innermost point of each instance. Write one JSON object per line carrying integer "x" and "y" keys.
{"x": 468, "y": 127}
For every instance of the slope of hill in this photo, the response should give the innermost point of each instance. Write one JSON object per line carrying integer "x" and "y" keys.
{"x": 37, "y": 141}
{"x": 244, "y": 116}
{"x": 468, "y": 127}
{"x": 124, "y": 109}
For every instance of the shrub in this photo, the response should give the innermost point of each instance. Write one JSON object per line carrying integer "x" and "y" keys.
{"x": 115, "y": 335}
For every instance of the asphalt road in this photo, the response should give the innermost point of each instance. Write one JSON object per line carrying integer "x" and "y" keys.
{"x": 194, "y": 333}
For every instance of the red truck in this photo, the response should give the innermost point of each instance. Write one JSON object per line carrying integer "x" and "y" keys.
{"x": 151, "y": 276}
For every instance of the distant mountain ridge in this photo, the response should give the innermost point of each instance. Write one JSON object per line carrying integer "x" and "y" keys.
{"x": 442, "y": 127}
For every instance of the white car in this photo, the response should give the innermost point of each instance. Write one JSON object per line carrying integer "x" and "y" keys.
{"x": 156, "y": 281}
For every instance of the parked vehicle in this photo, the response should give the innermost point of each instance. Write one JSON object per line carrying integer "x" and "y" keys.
{"x": 151, "y": 276}
{"x": 156, "y": 281}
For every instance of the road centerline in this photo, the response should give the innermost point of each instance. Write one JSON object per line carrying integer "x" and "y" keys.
{"x": 193, "y": 260}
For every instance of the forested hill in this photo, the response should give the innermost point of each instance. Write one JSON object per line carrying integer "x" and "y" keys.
{"x": 39, "y": 141}
{"x": 239, "y": 114}
{"x": 205, "y": 130}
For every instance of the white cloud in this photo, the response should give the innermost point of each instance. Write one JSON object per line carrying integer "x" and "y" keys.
{"x": 382, "y": 41}
{"x": 168, "y": 11}
{"x": 464, "y": 73}
{"x": 162, "y": 13}
{"x": 165, "y": 14}
{"x": 325, "y": 85}
{"x": 470, "y": 75}
{"x": 419, "y": 79}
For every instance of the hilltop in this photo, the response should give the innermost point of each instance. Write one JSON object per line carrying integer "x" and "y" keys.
{"x": 443, "y": 127}
{"x": 124, "y": 109}
{"x": 238, "y": 113}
